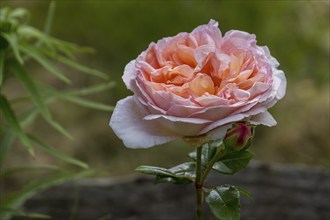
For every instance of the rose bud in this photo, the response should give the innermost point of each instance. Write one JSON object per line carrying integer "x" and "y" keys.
{"x": 238, "y": 137}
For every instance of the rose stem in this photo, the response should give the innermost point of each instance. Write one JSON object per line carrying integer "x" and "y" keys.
{"x": 199, "y": 185}
{"x": 209, "y": 166}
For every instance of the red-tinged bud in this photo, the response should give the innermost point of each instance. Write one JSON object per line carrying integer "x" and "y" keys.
{"x": 238, "y": 137}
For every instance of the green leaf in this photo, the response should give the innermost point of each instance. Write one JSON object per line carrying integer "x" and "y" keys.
{"x": 233, "y": 162}
{"x": 14, "y": 124}
{"x": 245, "y": 193}
{"x": 92, "y": 89}
{"x": 6, "y": 142}
{"x": 181, "y": 174}
{"x": 187, "y": 169}
{"x": 209, "y": 150}
{"x": 153, "y": 170}
{"x": 76, "y": 65}
{"x": 50, "y": 17}
{"x": 13, "y": 41}
{"x": 184, "y": 173}
{"x": 58, "y": 46}
{"x": 224, "y": 203}
{"x": 57, "y": 153}
{"x": 2, "y": 65}
{"x": 59, "y": 128}
{"x": 36, "y": 97}
{"x": 86, "y": 103}
{"x": 43, "y": 60}
{"x": 24, "y": 77}
{"x": 12, "y": 212}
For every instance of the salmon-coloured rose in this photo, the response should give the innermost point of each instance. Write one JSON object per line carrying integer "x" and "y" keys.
{"x": 197, "y": 83}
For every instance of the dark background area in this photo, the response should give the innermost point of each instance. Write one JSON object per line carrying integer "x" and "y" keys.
{"x": 296, "y": 32}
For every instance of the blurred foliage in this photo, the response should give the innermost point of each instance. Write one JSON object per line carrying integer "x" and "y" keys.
{"x": 296, "y": 32}
{"x": 21, "y": 44}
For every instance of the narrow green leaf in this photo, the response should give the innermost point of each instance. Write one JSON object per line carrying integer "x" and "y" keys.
{"x": 6, "y": 142}
{"x": 2, "y": 65}
{"x": 56, "y": 45}
{"x": 28, "y": 115}
{"x": 14, "y": 124}
{"x": 224, "y": 203}
{"x": 57, "y": 153}
{"x": 36, "y": 97}
{"x": 13, "y": 41}
{"x": 92, "y": 89}
{"x": 76, "y": 65}
{"x": 59, "y": 128}
{"x": 50, "y": 17}
{"x": 12, "y": 212}
{"x": 42, "y": 59}
{"x": 31, "y": 33}
{"x": 24, "y": 77}
{"x": 20, "y": 169}
{"x": 233, "y": 162}
{"x": 86, "y": 103}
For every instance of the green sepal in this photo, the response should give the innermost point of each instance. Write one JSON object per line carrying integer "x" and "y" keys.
{"x": 224, "y": 202}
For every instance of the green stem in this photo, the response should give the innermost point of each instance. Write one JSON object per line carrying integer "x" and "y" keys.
{"x": 210, "y": 165}
{"x": 199, "y": 185}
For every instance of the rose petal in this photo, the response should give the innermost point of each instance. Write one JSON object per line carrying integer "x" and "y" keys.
{"x": 218, "y": 133}
{"x": 180, "y": 126}
{"x": 219, "y": 123}
{"x": 280, "y": 82}
{"x": 128, "y": 124}
{"x": 235, "y": 40}
{"x": 264, "y": 118}
{"x": 129, "y": 75}
{"x": 208, "y": 34}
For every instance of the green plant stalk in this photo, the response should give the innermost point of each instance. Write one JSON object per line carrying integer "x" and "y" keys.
{"x": 199, "y": 185}
{"x": 209, "y": 166}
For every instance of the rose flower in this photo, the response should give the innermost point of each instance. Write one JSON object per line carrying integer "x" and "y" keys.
{"x": 195, "y": 84}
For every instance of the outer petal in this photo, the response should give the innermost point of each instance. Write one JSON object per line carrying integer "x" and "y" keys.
{"x": 218, "y": 133}
{"x": 128, "y": 124}
{"x": 130, "y": 75}
{"x": 280, "y": 80}
{"x": 264, "y": 118}
{"x": 180, "y": 126}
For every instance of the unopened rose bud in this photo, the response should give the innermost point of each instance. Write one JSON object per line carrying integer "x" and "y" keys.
{"x": 238, "y": 137}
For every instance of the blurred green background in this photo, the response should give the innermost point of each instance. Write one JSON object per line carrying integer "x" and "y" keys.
{"x": 296, "y": 32}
